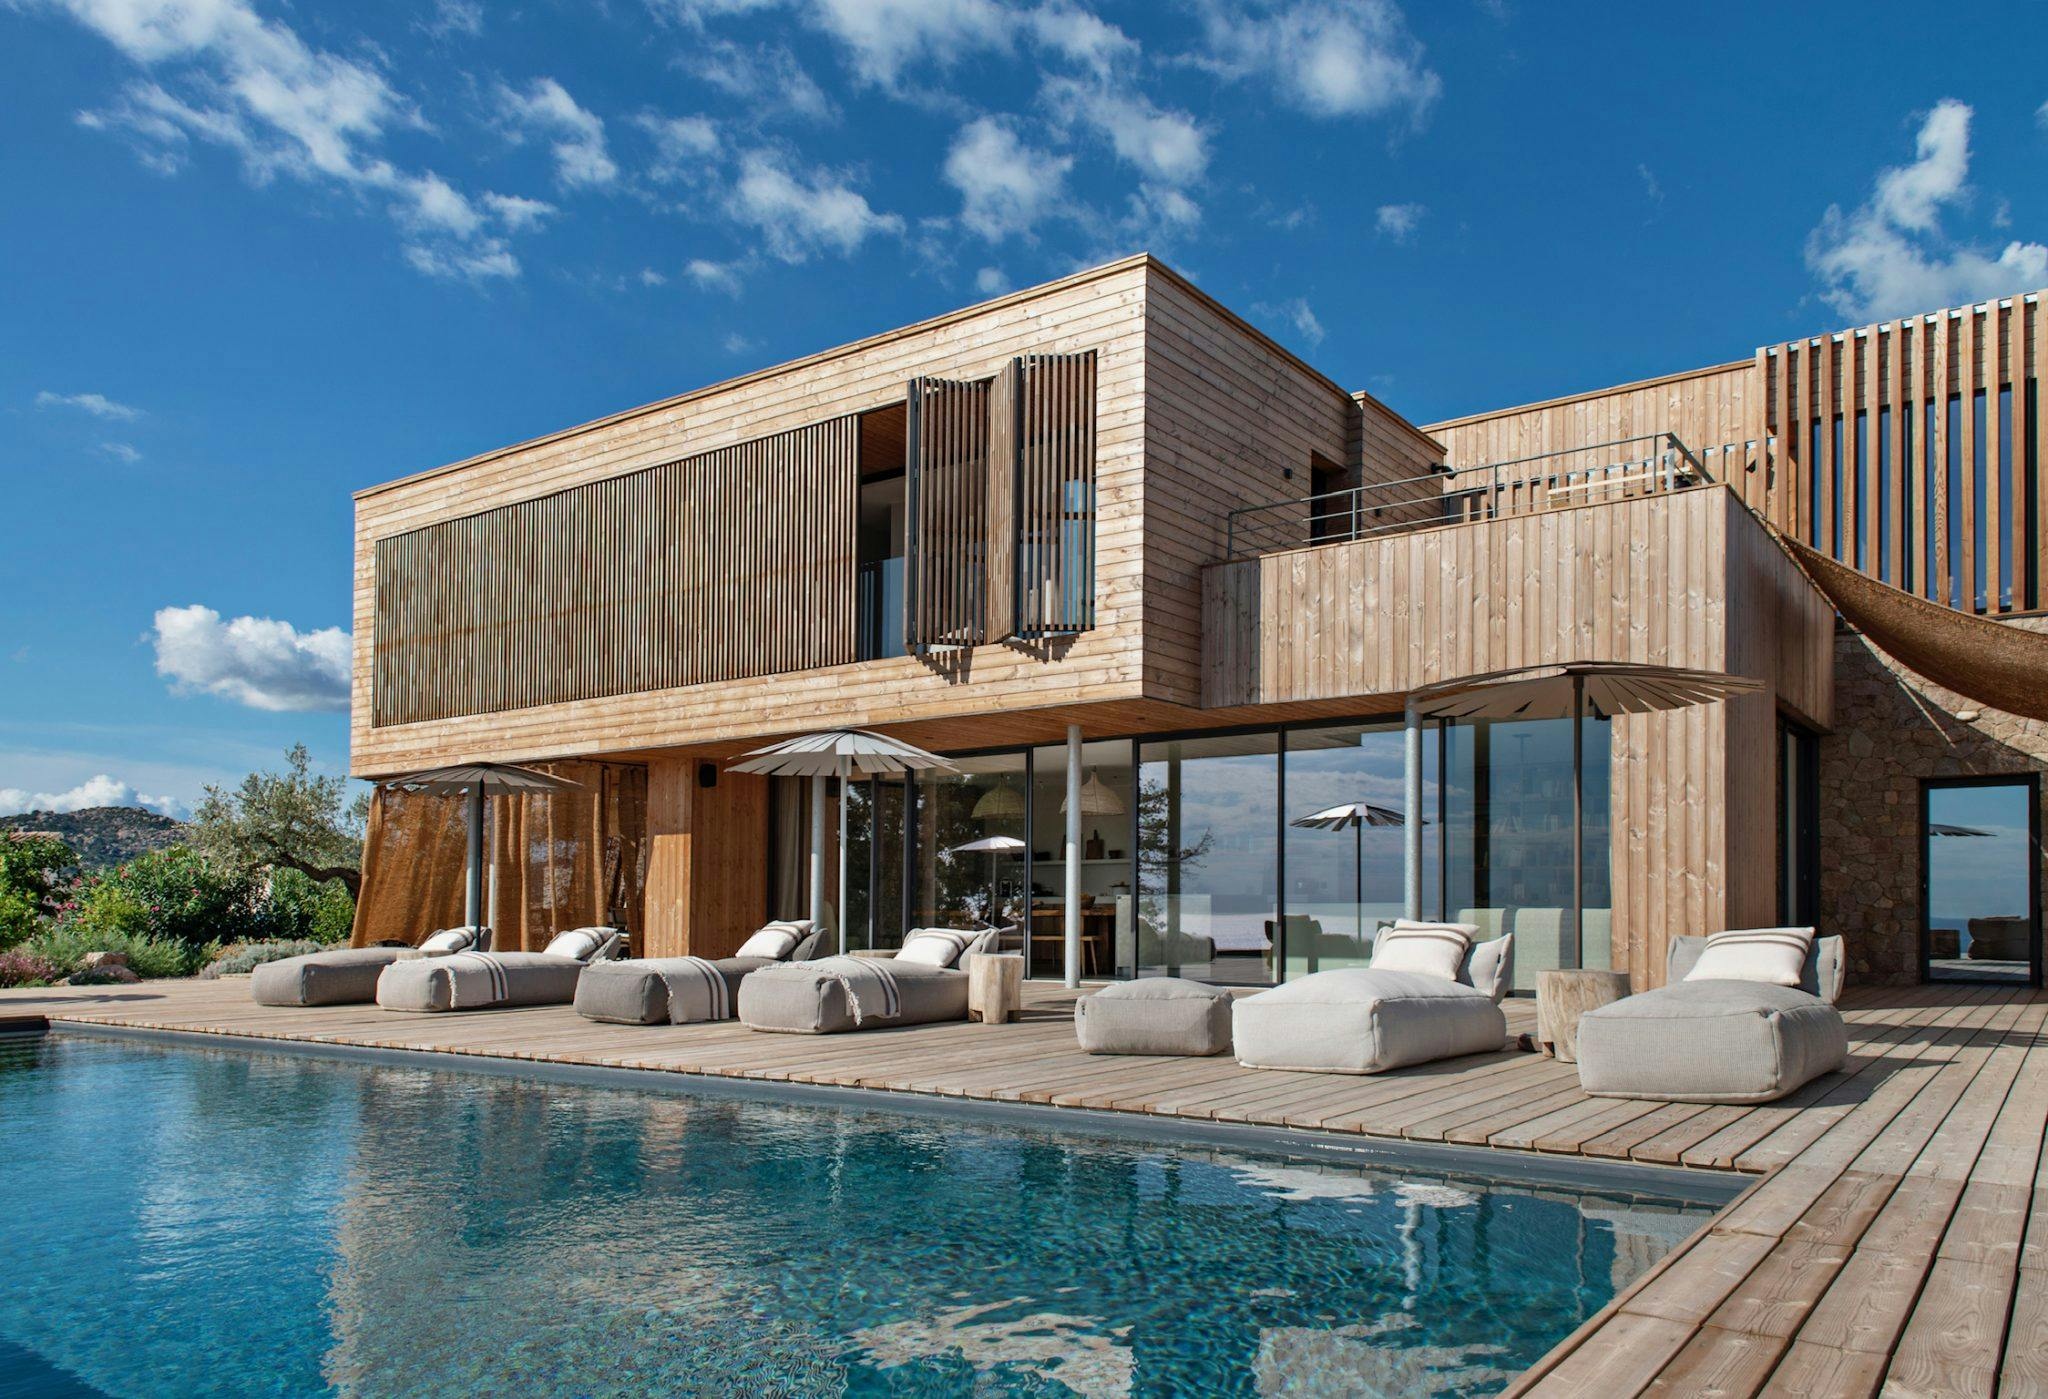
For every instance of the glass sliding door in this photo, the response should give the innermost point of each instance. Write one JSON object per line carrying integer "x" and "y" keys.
{"x": 1980, "y": 900}
{"x": 1508, "y": 831}
{"x": 970, "y": 846}
{"x": 1107, "y": 906}
{"x": 874, "y": 863}
{"x": 1208, "y": 859}
{"x": 1344, "y": 881}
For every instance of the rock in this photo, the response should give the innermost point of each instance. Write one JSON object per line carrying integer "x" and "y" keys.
{"x": 94, "y": 961}
{"x": 108, "y": 975}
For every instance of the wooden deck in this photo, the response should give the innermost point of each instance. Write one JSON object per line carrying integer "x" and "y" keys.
{"x": 1899, "y": 1239}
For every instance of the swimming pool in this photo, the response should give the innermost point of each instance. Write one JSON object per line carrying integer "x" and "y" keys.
{"x": 227, "y": 1222}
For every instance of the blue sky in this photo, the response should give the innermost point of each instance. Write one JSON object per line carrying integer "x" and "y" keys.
{"x": 258, "y": 255}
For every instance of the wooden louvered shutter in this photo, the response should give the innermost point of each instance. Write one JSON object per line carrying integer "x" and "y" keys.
{"x": 945, "y": 515}
{"x": 1056, "y": 494}
{"x": 1005, "y": 475}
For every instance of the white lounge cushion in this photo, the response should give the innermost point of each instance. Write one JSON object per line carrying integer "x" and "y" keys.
{"x": 581, "y": 943}
{"x": 1362, "y": 1020}
{"x": 1773, "y": 956}
{"x": 1429, "y": 949}
{"x": 456, "y": 940}
{"x": 934, "y": 947}
{"x": 775, "y": 941}
{"x": 1712, "y": 1041}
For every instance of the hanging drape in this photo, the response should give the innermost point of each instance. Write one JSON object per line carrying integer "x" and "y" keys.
{"x": 789, "y": 881}
{"x": 553, "y": 860}
{"x": 1993, "y": 663}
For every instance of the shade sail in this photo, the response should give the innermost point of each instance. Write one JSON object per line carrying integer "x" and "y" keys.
{"x": 2003, "y": 667}
{"x": 1550, "y": 692}
{"x": 839, "y": 753}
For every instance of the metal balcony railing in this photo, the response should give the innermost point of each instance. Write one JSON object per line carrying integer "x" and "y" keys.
{"x": 1628, "y": 466}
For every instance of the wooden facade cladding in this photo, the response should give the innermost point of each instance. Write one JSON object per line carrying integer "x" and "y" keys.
{"x": 1102, "y": 311}
{"x": 1814, "y": 433}
{"x": 676, "y": 575}
{"x": 1684, "y": 579}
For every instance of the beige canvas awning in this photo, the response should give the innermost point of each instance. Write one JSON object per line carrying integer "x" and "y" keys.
{"x": 2000, "y": 666}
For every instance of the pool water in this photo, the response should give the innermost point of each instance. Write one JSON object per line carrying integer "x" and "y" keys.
{"x": 187, "y": 1222}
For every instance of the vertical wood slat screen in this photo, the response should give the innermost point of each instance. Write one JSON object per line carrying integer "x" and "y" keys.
{"x": 1000, "y": 505}
{"x": 675, "y": 575}
{"x": 946, "y": 515}
{"x": 1914, "y": 450}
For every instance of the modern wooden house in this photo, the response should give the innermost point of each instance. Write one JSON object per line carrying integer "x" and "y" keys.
{"x": 1107, "y": 520}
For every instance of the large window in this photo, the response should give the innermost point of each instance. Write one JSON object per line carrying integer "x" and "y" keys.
{"x": 1344, "y": 870}
{"x": 969, "y": 847}
{"x": 1107, "y": 904}
{"x": 1208, "y": 858}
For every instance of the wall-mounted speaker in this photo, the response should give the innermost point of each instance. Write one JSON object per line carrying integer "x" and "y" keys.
{"x": 707, "y": 774}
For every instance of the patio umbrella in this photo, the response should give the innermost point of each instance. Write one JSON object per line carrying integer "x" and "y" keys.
{"x": 1355, "y": 817}
{"x": 1572, "y": 691}
{"x": 995, "y": 846}
{"x": 844, "y": 754}
{"x": 480, "y": 781}
{"x": 1942, "y": 828}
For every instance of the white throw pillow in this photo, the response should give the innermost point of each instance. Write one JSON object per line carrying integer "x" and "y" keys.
{"x": 1430, "y": 949}
{"x": 934, "y": 947}
{"x": 1774, "y": 956}
{"x": 454, "y": 940}
{"x": 776, "y": 940}
{"x": 580, "y": 943}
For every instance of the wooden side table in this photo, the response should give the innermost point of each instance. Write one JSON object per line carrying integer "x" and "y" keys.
{"x": 995, "y": 986}
{"x": 1562, "y": 997}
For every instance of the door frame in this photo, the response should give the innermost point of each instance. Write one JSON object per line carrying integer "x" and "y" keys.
{"x": 2032, "y": 782}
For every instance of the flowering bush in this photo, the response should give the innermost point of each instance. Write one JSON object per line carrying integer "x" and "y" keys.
{"x": 173, "y": 894}
{"x": 27, "y": 969}
{"x": 66, "y": 943}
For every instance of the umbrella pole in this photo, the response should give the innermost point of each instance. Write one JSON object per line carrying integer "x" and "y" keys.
{"x": 1578, "y": 819}
{"x": 1411, "y": 830}
{"x": 817, "y": 853}
{"x": 473, "y": 890}
{"x": 1072, "y": 914}
{"x": 1358, "y": 885}
{"x": 845, "y": 781}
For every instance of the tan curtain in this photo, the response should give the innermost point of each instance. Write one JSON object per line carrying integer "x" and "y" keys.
{"x": 553, "y": 861}
{"x": 789, "y": 884}
{"x": 414, "y": 850}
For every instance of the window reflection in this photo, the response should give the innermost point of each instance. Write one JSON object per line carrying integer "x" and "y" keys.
{"x": 970, "y": 847}
{"x": 1106, "y": 900}
{"x": 1208, "y": 846}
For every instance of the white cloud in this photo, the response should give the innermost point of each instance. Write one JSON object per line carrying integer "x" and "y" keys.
{"x": 2041, "y": 116}
{"x": 1080, "y": 37}
{"x": 97, "y": 404}
{"x": 804, "y": 212}
{"x": 716, "y": 276}
{"x": 257, "y": 661}
{"x": 464, "y": 17}
{"x": 1651, "y": 187}
{"x": 765, "y": 76}
{"x": 222, "y": 74}
{"x": 990, "y": 281}
{"x": 1297, "y": 315}
{"x": 737, "y": 344}
{"x": 1889, "y": 256}
{"x": 122, "y": 452}
{"x": 685, "y": 148}
{"x": 1328, "y": 58}
{"x": 1399, "y": 221}
{"x": 576, "y": 135}
{"x": 1006, "y": 187}
{"x": 1162, "y": 144}
{"x": 651, "y": 278}
{"x": 884, "y": 37}
{"x": 97, "y": 790}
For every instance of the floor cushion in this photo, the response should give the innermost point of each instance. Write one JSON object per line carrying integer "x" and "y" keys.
{"x": 801, "y": 998}
{"x": 1710, "y": 1042}
{"x": 1154, "y": 1015}
{"x": 1354, "y": 1020}
{"x": 522, "y": 979}
{"x": 344, "y": 977}
{"x": 636, "y": 992}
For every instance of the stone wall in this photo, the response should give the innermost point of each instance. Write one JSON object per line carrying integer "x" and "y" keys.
{"x": 1892, "y": 729}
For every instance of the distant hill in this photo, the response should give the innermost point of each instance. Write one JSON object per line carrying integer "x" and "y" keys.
{"x": 102, "y": 836}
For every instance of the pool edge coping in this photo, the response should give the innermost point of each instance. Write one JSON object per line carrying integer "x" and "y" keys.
{"x": 1669, "y": 1184}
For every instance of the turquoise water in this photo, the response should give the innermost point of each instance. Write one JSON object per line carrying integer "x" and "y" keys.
{"x": 181, "y": 1222}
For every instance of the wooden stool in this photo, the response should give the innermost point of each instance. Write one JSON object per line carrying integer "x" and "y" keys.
{"x": 1562, "y": 997}
{"x": 995, "y": 986}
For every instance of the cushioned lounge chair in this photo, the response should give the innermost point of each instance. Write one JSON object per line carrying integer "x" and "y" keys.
{"x": 636, "y": 992}
{"x": 1365, "y": 1020}
{"x": 348, "y": 975}
{"x": 495, "y": 980}
{"x": 839, "y": 994}
{"x": 1717, "y": 1041}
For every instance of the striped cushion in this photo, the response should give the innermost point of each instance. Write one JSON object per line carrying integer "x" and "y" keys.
{"x": 1774, "y": 956}
{"x": 581, "y": 943}
{"x": 776, "y": 940}
{"x": 934, "y": 947}
{"x": 456, "y": 940}
{"x": 1431, "y": 949}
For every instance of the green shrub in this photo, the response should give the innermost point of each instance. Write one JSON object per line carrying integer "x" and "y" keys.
{"x": 66, "y": 943}
{"x": 173, "y": 894}
{"x": 251, "y": 955}
{"x": 299, "y": 907}
{"x": 27, "y": 969}
{"x": 33, "y": 871}
{"x": 19, "y": 918}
